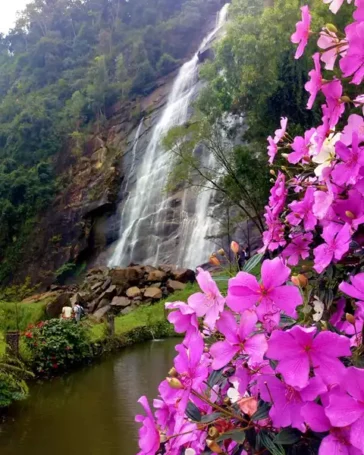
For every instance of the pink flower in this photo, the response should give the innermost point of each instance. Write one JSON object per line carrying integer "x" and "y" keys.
{"x": 272, "y": 149}
{"x": 302, "y": 211}
{"x": 359, "y": 102}
{"x": 347, "y": 171}
{"x": 238, "y": 339}
{"x": 353, "y": 62}
{"x": 334, "y": 108}
{"x": 299, "y": 349}
{"x": 280, "y": 133}
{"x": 335, "y": 47}
{"x": 301, "y": 146}
{"x": 278, "y": 194}
{"x": 356, "y": 288}
{"x": 288, "y": 398}
{"x": 355, "y": 125}
{"x": 271, "y": 295}
{"x": 302, "y": 33}
{"x": 184, "y": 319}
{"x": 338, "y": 440}
{"x": 314, "y": 85}
{"x": 351, "y": 210}
{"x": 348, "y": 409}
{"x": 335, "y": 5}
{"x": 298, "y": 248}
{"x": 335, "y": 246}
{"x": 149, "y": 439}
{"x": 210, "y": 303}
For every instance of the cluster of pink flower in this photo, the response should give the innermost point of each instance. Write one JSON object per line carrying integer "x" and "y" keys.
{"x": 253, "y": 373}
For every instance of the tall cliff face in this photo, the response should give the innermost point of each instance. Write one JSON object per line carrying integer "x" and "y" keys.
{"x": 82, "y": 226}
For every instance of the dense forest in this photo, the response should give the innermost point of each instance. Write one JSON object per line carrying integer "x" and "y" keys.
{"x": 62, "y": 65}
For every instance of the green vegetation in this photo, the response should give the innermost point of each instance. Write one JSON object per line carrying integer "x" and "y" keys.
{"x": 61, "y": 68}
{"x": 20, "y": 315}
{"x": 12, "y": 381}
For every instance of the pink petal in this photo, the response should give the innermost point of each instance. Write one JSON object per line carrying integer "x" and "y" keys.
{"x": 354, "y": 383}
{"x": 343, "y": 410}
{"x": 356, "y": 434}
{"x": 274, "y": 273}
{"x": 295, "y": 370}
{"x": 331, "y": 344}
{"x": 330, "y": 369}
{"x": 197, "y": 302}
{"x": 315, "y": 417}
{"x": 282, "y": 345}
{"x": 248, "y": 322}
{"x": 256, "y": 347}
{"x": 228, "y": 327}
{"x": 332, "y": 446}
{"x": 315, "y": 388}
{"x": 222, "y": 352}
{"x": 287, "y": 298}
{"x": 243, "y": 292}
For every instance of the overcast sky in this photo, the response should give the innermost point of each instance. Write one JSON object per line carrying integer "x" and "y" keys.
{"x": 8, "y": 10}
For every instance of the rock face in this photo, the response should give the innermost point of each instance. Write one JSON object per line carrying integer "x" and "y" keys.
{"x": 153, "y": 293}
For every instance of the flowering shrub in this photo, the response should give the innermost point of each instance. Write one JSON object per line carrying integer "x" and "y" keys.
{"x": 57, "y": 345}
{"x": 277, "y": 365}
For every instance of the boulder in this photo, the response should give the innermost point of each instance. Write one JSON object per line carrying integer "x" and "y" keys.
{"x": 97, "y": 286}
{"x": 54, "y": 308}
{"x": 103, "y": 303}
{"x": 173, "y": 285}
{"x": 126, "y": 277}
{"x": 184, "y": 275}
{"x": 77, "y": 298}
{"x": 127, "y": 310}
{"x": 133, "y": 292}
{"x": 156, "y": 275}
{"x": 122, "y": 302}
{"x": 166, "y": 268}
{"x": 149, "y": 268}
{"x": 111, "y": 291}
{"x": 92, "y": 306}
{"x": 153, "y": 293}
{"x": 106, "y": 284}
{"x": 97, "y": 271}
{"x": 101, "y": 313}
{"x": 41, "y": 297}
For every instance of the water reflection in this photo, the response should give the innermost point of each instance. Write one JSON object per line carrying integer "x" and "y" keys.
{"x": 90, "y": 412}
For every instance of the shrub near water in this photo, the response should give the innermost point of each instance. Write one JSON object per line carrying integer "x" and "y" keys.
{"x": 57, "y": 345}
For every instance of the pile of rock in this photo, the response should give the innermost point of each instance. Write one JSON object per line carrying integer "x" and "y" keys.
{"x": 120, "y": 290}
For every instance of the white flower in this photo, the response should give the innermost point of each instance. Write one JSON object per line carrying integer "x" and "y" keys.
{"x": 233, "y": 394}
{"x": 326, "y": 155}
{"x": 190, "y": 452}
{"x": 319, "y": 308}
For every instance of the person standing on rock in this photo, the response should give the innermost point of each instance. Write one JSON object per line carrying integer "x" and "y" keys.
{"x": 66, "y": 312}
{"x": 78, "y": 310}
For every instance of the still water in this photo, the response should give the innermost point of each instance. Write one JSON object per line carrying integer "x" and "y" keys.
{"x": 90, "y": 412}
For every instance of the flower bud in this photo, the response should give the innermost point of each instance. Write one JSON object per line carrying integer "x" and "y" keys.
{"x": 350, "y": 318}
{"x": 306, "y": 268}
{"x": 299, "y": 280}
{"x": 214, "y": 261}
{"x": 283, "y": 168}
{"x": 173, "y": 373}
{"x": 345, "y": 99}
{"x": 272, "y": 172}
{"x": 331, "y": 28}
{"x": 285, "y": 155}
{"x": 214, "y": 433}
{"x": 221, "y": 252}
{"x": 175, "y": 383}
{"x": 350, "y": 214}
{"x": 213, "y": 446}
{"x": 234, "y": 247}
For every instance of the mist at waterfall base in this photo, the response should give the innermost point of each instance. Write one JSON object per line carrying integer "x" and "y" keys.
{"x": 155, "y": 227}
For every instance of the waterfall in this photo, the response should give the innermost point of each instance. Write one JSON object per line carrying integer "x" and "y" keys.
{"x": 148, "y": 217}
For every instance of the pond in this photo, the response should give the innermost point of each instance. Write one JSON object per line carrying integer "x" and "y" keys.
{"x": 89, "y": 412}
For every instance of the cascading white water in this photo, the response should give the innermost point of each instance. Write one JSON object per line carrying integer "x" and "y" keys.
{"x": 147, "y": 216}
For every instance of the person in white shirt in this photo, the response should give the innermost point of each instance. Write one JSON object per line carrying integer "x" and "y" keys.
{"x": 66, "y": 312}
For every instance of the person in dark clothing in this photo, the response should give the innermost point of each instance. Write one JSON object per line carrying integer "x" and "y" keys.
{"x": 241, "y": 258}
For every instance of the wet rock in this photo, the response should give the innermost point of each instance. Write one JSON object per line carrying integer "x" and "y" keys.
{"x": 153, "y": 293}
{"x": 156, "y": 275}
{"x": 133, "y": 292}
{"x": 122, "y": 302}
{"x": 173, "y": 285}
{"x": 126, "y": 277}
{"x": 110, "y": 292}
{"x": 54, "y": 308}
{"x": 101, "y": 313}
{"x": 183, "y": 275}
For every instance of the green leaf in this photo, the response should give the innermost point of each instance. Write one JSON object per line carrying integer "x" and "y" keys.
{"x": 266, "y": 440}
{"x": 235, "y": 435}
{"x": 211, "y": 417}
{"x": 215, "y": 377}
{"x": 193, "y": 412}
{"x": 252, "y": 266}
{"x": 287, "y": 436}
{"x": 262, "y": 412}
